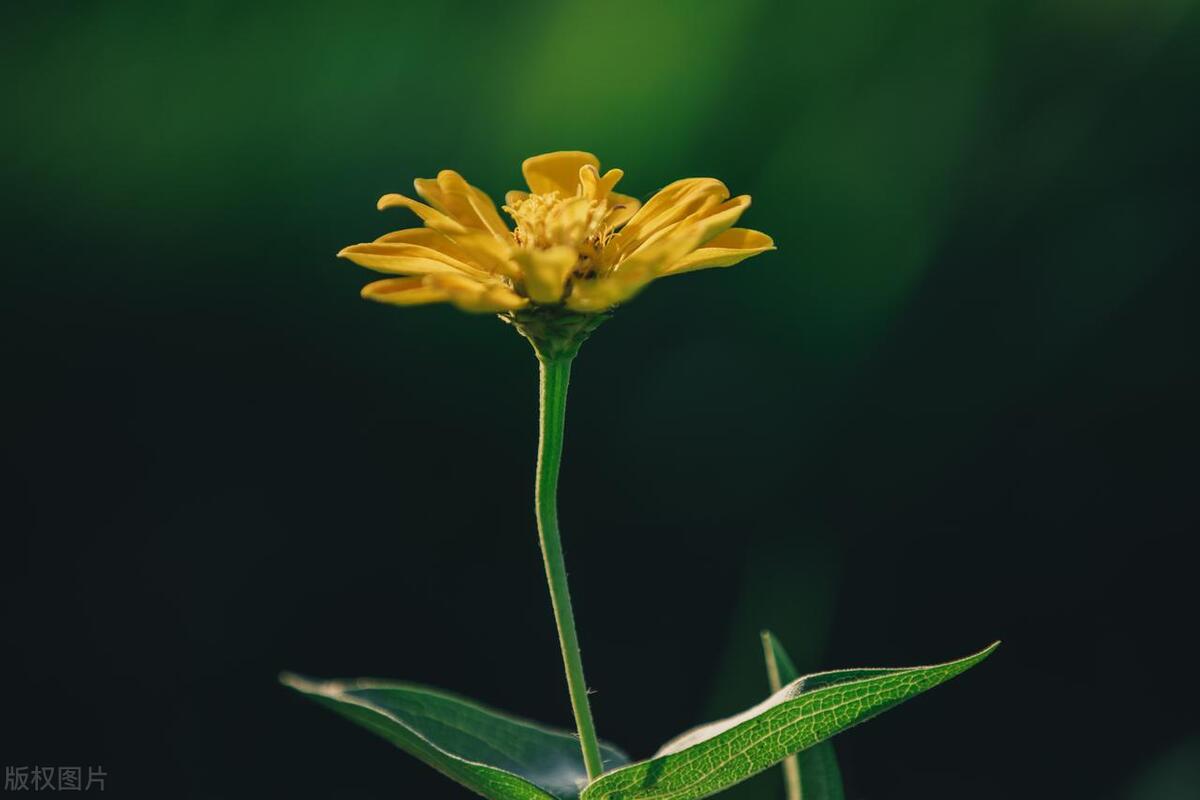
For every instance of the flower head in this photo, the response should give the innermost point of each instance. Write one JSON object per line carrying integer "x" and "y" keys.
{"x": 576, "y": 249}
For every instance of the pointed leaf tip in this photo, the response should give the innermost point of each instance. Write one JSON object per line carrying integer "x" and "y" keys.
{"x": 806, "y": 711}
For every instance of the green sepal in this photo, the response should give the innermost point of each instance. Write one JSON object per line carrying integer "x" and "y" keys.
{"x": 555, "y": 332}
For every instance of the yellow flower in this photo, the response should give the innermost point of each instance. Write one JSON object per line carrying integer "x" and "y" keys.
{"x": 577, "y": 245}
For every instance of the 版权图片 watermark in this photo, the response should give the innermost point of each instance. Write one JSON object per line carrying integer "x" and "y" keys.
{"x": 40, "y": 778}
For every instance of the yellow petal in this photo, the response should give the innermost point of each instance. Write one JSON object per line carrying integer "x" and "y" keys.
{"x": 491, "y": 253}
{"x": 598, "y": 294}
{"x": 622, "y": 207}
{"x": 557, "y": 172}
{"x": 632, "y": 275}
{"x": 493, "y": 301}
{"x": 425, "y": 237}
{"x": 595, "y": 186}
{"x": 717, "y": 220}
{"x": 589, "y": 182}
{"x": 650, "y": 260}
{"x": 429, "y": 215}
{"x": 514, "y": 198}
{"x": 464, "y": 293}
{"x": 724, "y": 250}
{"x": 403, "y": 292}
{"x": 476, "y": 249}
{"x": 670, "y": 205}
{"x": 677, "y": 200}
{"x": 469, "y": 205}
{"x": 701, "y": 226}
{"x": 431, "y": 193}
{"x": 401, "y": 258}
{"x": 545, "y": 271}
{"x": 471, "y": 296}
{"x": 433, "y": 240}
{"x": 450, "y": 194}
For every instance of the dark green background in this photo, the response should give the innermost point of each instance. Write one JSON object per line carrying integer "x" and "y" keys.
{"x": 958, "y": 404}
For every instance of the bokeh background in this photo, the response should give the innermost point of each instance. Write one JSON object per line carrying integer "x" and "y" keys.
{"x": 958, "y": 404}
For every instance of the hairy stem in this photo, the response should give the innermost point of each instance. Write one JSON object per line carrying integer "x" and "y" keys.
{"x": 555, "y": 374}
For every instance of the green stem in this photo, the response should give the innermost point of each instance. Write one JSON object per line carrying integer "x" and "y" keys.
{"x": 555, "y": 374}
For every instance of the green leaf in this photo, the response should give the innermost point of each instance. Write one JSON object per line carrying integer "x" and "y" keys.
{"x": 813, "y": 774}
{"x": 499, "y": 756}
{"x": 713, "y": 757}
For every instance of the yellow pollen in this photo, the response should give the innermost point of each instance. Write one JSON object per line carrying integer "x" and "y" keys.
{"x": 548, "y": 220}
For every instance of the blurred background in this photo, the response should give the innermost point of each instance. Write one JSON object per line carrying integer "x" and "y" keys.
{"x": 957, "y": 405}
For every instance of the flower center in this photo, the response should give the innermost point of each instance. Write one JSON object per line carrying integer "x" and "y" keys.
{"x": 548, "y": 220}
